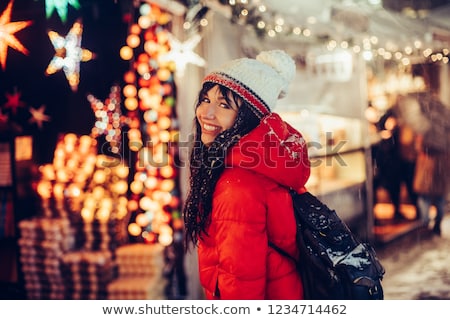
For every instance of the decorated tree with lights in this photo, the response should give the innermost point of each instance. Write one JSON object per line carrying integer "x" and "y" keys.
{"x": 152, "y": 138}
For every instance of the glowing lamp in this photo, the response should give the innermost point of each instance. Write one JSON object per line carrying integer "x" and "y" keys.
{"x": 134, "y": 134}
{"x": 167, "y": 185}
{"x": 142, "y": 219}
{"x": 143, "y": 68}
{"x": 149, "y": 237}
{"x": 164, "y": 136}
{"x": 73, "y": 191}
{"x": 129, "y": 77}
{"x": 99, "y": 177}
{"x": 175, "y": 202}
{"x": 165, "y": 229}
{"x": 136, "y": 187}
{"x": 145, "y": 9}
{"x": 164, "y": 123}
{"x": 44, "y": 189}
{"x": 129, "y": 90}
{"x": 135, "y": 29}
{"x": 126, "y": 53}
{"x": 98, "y": 192}
{"x": 133, "y": 41}
{"x": 144, "y": 22}
{"x": 167, "y": 171}
{"x": 162, "y": 37}
{"x": 151, "y": 183}
{"x": 153, "y": 130}
{"x": 131, "y": 103}
{"x": 163, "y": 74}
{"x": 62, "y": 175}
{"x": 122, "y": 171}
{"x": 120, "y": 187}
{"x": 87, "y": 215}
{"x": 58, "y": 190}
{"x": 134, "y": 229}
{"x": 143, "y": 82}
{"x": 170, "y": 101}
{"x": 150, "y": 116}
{"x": 102, "y": 214}
{"x": 48, "y": 172}
{"x": 177, "y": 224}
{"x": 164, "y": 18}
{"x": 150, "y": 47}
{"x": 167, "y": 89}
{"x": 145, "y": 203}
{"x": 165, "y": 239}
{"x": 133, "y": 205}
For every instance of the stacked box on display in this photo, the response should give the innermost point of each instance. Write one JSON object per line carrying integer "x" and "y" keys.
{"x": 98, "y": 235}
{"x": 42, "y": 243}
{"x": 141, "y": 277}
{"x": 87, "y": 274}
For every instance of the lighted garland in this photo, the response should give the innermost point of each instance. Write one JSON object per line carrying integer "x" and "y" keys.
{"x": 267, "y": 23}
{"x": 149, "y": 93}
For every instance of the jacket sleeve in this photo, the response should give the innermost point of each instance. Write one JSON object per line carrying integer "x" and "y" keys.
{"x": 239, "y": 228}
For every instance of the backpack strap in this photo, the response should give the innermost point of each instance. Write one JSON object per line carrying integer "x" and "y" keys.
{"x": 282, "y": 252}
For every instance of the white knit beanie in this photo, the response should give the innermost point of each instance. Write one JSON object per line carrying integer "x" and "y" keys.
{"x": 261, "y": 81}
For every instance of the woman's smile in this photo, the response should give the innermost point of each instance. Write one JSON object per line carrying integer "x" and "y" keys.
{"x": 215, "y": 114}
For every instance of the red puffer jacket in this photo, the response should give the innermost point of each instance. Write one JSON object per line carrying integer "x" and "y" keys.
{"x": 251, "y": 206}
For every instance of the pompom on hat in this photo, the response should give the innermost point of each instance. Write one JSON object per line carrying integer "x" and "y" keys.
{"x": 261, "y": 81}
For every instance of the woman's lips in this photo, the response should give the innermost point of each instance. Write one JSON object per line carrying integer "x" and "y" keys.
{"x": 210, "y": 128}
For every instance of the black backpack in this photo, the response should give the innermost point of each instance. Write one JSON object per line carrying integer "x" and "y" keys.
{"x": 333, "y": 263}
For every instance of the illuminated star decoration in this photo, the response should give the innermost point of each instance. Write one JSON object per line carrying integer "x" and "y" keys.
{"x": 61, "y": 7}
{"x": 7, "y": 38}
{"x": 38, "y": 116}
{"x": 109, "y": 118}
{"x": 68, "y": 54}
{"x": 183, "y": 53}
{"x": 13, "y": 101}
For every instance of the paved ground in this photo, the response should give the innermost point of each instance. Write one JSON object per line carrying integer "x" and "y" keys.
{"x": 418, "y": 266}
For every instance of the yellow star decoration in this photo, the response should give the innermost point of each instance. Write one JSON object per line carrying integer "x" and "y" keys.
{"x": 68, "y": 54}
{"x": 38, "y": 116}
{"x": 7, "y": 38}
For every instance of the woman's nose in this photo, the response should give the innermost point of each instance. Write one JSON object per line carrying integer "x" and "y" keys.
{"x": 209, "y": 112}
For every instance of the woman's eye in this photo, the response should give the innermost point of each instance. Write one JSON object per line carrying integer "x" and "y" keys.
{"x": 225, "y": 105}
{"x": 204, "y": 99}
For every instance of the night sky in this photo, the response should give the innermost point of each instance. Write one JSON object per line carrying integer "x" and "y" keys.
{"x": 104, "y": 33}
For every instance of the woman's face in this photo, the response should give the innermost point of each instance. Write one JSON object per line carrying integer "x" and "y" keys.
{"x": 215, "y": 114}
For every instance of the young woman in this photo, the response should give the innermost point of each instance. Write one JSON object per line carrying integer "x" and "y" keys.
{"x": 244, "y": 160}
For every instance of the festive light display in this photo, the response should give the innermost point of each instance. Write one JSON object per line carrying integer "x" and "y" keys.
{"x": 7, "y": 31}
{"x": 61, "y": 7}
{"x": 109, "y": 118}
{"x": 38, "y": 116}
{"x": 69, "y": 54}
{"x": 331, "y": 25}
{"x": 150, "y": 104}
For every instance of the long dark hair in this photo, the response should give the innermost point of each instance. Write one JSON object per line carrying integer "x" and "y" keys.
{"x": 208, "y": 162}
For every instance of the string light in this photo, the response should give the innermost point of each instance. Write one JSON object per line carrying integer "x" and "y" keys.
{"x": 268, "y": 23}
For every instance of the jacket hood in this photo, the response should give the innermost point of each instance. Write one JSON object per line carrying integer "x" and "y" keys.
{"x": 274, "y": 149}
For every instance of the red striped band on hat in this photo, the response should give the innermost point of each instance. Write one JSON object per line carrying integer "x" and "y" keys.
{"x": 260, "y": 108}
